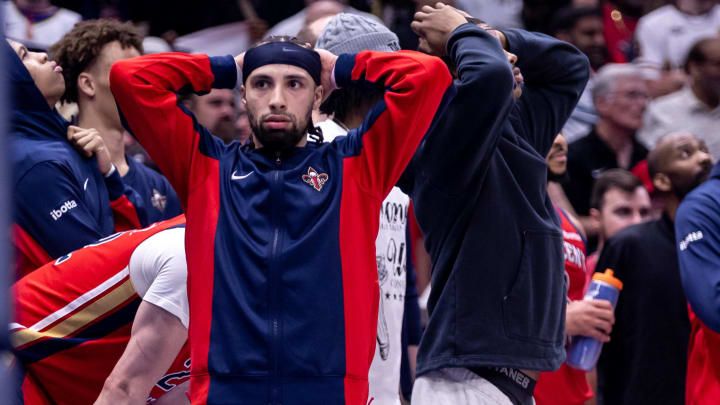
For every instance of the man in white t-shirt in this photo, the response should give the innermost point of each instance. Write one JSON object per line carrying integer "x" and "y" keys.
{"x": 38, "y": 23}
{"x": 666, "y": 34}
{"x": 664, "y": 37}
{"x": 696, "y": 107}
{"x": 349, "y": 33}
{"x": 107, "y": 323}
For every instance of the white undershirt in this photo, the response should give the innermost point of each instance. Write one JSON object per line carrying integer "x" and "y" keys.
{"x": 391, "y": 258}
{"x": 158, "y": 270}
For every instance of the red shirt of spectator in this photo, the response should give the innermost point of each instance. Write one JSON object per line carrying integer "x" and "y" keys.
{"x": 568, "y": 386}
{"x": 619, "y": 30}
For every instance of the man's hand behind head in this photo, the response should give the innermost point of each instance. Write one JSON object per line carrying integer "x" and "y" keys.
{"x": 328, "y": 64}
{"x": 434, "y": 26}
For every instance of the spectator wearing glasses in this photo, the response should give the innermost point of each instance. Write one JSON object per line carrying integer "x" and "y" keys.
{"x": 620, "y": 96}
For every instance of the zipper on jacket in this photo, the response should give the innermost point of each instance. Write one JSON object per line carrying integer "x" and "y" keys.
{"x": 274, "y": 287}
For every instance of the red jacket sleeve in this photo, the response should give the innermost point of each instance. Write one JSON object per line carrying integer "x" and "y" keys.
{"x": 145, "y": 91}
{"x": 129, "y": 211}
{"x": 414, "y": 84}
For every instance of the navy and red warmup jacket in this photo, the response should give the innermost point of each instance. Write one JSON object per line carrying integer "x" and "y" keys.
{"x": 61, "y": 200}
{"x": 697, "y": 233}
{"x": 281, "y": 249}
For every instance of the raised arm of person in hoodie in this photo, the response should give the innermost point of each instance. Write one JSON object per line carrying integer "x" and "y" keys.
{"x": 467, "y": 127}
{"x": 555, "y": 74}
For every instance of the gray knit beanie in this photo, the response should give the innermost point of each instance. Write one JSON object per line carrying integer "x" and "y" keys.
{"x": 352, "y": 33}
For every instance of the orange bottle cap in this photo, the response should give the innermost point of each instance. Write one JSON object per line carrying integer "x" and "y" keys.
{"x": 608, "y": 278}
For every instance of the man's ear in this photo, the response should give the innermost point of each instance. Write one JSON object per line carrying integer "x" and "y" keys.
{"x": 86, "y": 84}
{"x": 662, "y": 182}
{"x": 595, "y": 214}
{"x": 242, "y": 92}
{"x": 318, "y": 97}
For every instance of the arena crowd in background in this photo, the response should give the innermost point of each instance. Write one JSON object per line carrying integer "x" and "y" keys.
{"x": 603, "y": 132}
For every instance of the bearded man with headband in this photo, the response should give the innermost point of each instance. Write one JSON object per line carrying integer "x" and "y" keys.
{"x": 281, "y": 233}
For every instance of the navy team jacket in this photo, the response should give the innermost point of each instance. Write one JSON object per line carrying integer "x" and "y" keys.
{"x": 159, "y": 199}
{"x": 498, "y": 296}
{"x": 282, "y": 275}
{"x": 61, "y": 200}
{"x": 697, "y": 230}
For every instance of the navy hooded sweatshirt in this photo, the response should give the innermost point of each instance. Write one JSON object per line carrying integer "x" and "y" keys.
{"x": 478, "y": 183}
{"x": 61, "y": 200}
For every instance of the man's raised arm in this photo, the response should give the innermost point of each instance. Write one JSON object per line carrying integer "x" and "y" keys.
{"x": 145, "y": 91}
{"x": 466, "y": 131}
{"x": 415, "y": 85}
{"x": 555, "y": 74}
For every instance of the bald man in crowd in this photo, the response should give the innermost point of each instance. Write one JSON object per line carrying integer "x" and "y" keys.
{"x": 645, "y": 360}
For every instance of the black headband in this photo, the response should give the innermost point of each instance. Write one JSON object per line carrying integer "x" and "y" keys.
{"x": 282, "y": 53}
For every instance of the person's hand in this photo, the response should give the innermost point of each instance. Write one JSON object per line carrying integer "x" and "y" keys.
{"x": 492, "y": 31}
{"x": 89, "y": 143}
{"x": 257, "y": 28}
{"x": 593, "y": 318}
{"x": 434, "y": 26}
{"x": 328, "y": 64}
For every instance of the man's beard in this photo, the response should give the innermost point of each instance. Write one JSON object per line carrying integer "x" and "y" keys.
{"x": 278, "y": 140}
{"x": 681, "y": 189}
{"x": 561, "y": 178}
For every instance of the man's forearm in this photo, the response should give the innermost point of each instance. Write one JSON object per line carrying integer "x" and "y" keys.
{"x": 157, "y": 337}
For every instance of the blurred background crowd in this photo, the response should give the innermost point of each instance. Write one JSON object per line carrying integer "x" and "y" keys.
{"x": 656, "y": 70}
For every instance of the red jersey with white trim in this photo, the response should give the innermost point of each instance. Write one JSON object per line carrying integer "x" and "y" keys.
{"x": 567, "y": 386}
{"x": 702, "y": 385}
{"x": 73, "y": 318}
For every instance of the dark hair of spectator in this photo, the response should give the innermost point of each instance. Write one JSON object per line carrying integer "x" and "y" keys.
{"x": 610, "y": 179}
{"x": 697, "y": 53}
{"x": 566, "y": 18}
{"x": 342, "y": 101}
{"x": 78, "y": 50}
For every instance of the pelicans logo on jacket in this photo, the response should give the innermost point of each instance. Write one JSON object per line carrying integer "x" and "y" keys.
{"x": 315, "y": 179}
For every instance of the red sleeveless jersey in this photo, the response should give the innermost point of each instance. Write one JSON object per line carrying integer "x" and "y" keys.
{"x": 567, "y": 386}
{"x": 73, "y": 318}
